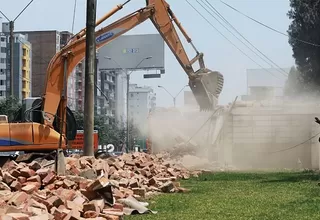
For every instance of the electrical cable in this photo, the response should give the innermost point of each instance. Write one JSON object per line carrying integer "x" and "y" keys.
{"x": 210, "y": 117}
{"x": 214, "y": 10}
{"x": 279, "y": 32}
{"x": 295, "y": 146}
{"x": 238, "y": 38}
{"x": 230, "y": 40}
{"x": 74, "y": 15}
{"x": 23, "y": 10}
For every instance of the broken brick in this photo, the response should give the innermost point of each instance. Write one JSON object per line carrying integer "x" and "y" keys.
{"x": 43, "y": 172}
{"x": 15, "y": 173}
{"x": 118, "y": 206}
{"x": 8, "y": 178}
{"x": 91, "y": 207}
{"x": 4, "y": 186}
{"x": 30, "y": 188}
{"x": 167, "y": 187}
{"x": 73, "y": 215}
{"x": 99, "y": 183}
{"x": 66, "y": 194}
{"x": 49, "y": 178}
{"x": 133, "y": 183}
{"x": 16, "y": 186}
{"x": 55, "y": 201}
{"x": 27, "y": 172}
{"x": 57, "y": 213}
{"x": 68, "y": 184}
{"x": 90, "y": 214}
{"x": 109, "y": 217}
{"x": 139, "y": 191}
{"x": 18, "y": 198}
{"x": 34, "y": 165}
{"x": 22, "y": 179}
{"x": 35, "y": 178}
{"x": 18, "y": 216}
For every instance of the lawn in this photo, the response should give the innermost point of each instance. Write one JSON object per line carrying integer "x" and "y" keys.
{"x": 247, "y": 196}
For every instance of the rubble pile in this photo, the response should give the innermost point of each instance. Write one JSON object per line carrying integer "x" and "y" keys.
{"x": 92, "y": 188}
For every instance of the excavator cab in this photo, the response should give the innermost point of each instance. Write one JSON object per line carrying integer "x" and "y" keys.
{"x": 206, "y": 88}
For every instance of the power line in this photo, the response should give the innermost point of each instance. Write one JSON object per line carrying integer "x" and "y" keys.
{"x": 239, "y": 39}
{"x": 23, "y": 10}
{"x": 273, "y": 29}
{"x": 214, "y": 10}
{"x": 4, "y": 15}
{"x": 295, "y": 146}
{"x": 230, "y": 40}
{"x": 74, "y": 15}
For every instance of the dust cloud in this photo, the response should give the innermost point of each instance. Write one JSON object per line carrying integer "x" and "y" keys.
{"x": 186, "y": 134}
{"x": 260, "y": 135}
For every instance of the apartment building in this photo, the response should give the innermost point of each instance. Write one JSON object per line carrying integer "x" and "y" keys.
{"x": 22, "y": 69}
{"x": 45, "y": 44}
{"x": 3, "y": 64}
{"x": 142, "y": 100}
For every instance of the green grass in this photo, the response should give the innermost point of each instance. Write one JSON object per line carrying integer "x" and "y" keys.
{"x": 247, "y": 196}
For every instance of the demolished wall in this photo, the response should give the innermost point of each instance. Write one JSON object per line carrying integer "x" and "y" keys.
{"x": 270, "y": 136}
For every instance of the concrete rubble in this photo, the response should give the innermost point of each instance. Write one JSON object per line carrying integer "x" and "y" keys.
{"x": 92, "y": 188}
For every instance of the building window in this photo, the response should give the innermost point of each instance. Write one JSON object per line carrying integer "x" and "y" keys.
{"x": 3, "y": 39}
{"x": 2, "y": 82}
{"x": 1, "y": 93}
{"x": 3, "y": 49}
{"x": 2, "y": 60}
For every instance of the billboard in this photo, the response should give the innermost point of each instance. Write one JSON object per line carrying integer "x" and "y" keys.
{"x": 127, "y": 52}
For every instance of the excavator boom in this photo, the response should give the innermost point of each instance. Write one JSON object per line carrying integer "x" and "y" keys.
{"x": 42, "y": 132}
{"x": 205, "y": 84}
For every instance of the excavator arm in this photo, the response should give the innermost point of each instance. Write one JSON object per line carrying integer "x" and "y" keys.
{"x": 205, "y": 84}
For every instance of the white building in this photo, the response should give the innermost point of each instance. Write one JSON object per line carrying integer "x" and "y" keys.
{"x": 121, "y": 97}
{"x": 265, "y": 84}
{"x": 3, "y": 64}
{"x": 141, "y": 101}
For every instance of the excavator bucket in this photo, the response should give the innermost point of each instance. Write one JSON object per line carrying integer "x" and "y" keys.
{"x": 206, "y": 88}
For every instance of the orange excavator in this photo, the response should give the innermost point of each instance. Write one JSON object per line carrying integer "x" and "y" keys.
{"x": 38, "y": 124}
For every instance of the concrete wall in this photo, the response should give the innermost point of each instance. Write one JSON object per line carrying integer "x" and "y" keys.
{"x": 267, "y": 137}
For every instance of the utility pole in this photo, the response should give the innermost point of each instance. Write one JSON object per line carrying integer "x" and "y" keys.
{"x": 90, "y": 63}
{"x": 128, "y": 118}
{"x": 11, "y": 26}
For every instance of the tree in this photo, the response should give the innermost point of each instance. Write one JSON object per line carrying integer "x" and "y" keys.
{"x": 9, "y": 107}
{"x": 305, "y": 27}
{"x": 293, "y": 84}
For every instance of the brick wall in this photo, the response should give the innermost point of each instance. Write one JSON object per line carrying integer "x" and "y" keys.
{"x": 253, "y": 134}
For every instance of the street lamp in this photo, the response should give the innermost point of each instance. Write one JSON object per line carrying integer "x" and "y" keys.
{"x": 128, "y": 83}
{"x": 173, "y": 97}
